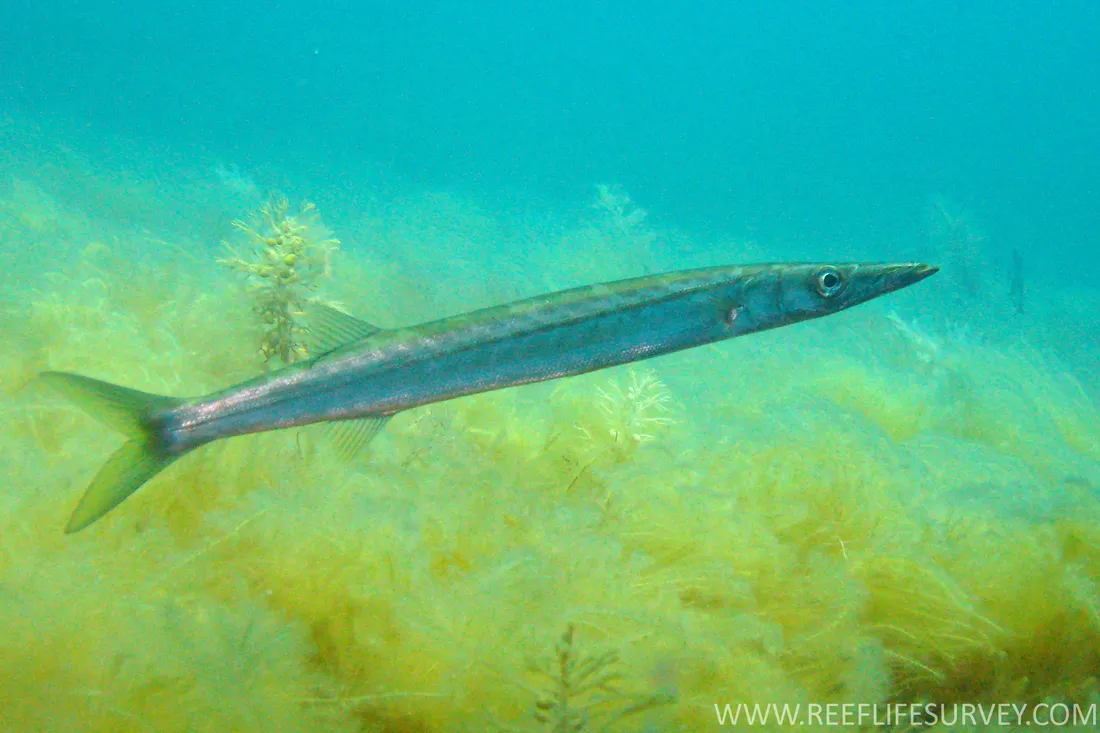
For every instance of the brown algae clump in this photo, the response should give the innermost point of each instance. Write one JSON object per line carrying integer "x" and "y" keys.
{"x": 291, "y": 257}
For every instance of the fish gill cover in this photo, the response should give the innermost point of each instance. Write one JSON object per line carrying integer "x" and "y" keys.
{"x": 899, "y": 504}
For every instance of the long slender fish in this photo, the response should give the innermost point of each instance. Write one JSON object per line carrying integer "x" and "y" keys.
{"x": 363, "y": 374}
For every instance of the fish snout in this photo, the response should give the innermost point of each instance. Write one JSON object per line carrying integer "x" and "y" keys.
{"x": 901, "y": 275}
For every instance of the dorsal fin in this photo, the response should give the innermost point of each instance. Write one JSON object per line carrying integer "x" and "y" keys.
{"x": 330, "y": 328}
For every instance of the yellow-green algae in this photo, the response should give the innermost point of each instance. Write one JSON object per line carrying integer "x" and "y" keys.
{"x": 863, "y": 509}
{"x": 290, "y": 257}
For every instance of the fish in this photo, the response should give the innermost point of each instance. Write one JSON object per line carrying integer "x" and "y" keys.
{"x": 362, "y": 375}
{"x": 1016, "y": 284}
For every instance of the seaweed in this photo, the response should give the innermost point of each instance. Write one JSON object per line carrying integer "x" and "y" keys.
{"x": 584, "y": 692}
{"x": 620, "y": 214}
{"x": 291, "y": 257}
{"x": 605, "y": 426}
{"x": 878, "y": 510}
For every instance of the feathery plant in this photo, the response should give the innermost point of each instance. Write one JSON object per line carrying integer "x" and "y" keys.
{"x": 634, "y": 412}
{"x": 291, "y": 256}
{"x": 584, "y": 693}
{"x": 603, "y": 427}
{"x": 621, "y": 215}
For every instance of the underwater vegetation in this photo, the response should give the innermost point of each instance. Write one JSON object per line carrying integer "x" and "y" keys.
{"x": 583, "y": 691}
{"x": 291, "y": 257}
{"x": 893, "y": 505}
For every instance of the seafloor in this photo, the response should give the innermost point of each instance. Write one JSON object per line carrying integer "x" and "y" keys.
{"x": 897, "y": 504}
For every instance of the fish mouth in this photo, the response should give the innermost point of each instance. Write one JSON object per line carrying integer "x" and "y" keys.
{"x": 922, "y": 271}
{"x": 896, "y": 277}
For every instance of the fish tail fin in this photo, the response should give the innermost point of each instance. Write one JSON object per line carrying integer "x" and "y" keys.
{"x": 124, "y": 472}
{"x": 143, "y": 456}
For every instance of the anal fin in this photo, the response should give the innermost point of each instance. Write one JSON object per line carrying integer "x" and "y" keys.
{"x": 349, "y": 437}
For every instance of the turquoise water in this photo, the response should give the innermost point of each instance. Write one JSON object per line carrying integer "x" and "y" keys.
{"x": 827, "y": 126}
{"x": 897, "y": 504}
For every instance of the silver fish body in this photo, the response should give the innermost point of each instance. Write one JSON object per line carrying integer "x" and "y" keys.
{"x": 550, "y": 336}
{"x": 546, "y": 337}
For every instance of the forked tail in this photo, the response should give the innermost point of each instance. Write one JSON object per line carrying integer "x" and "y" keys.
{"x": 143, "y": 456}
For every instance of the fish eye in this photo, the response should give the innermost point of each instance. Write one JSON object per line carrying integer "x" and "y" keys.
{"x": 828, "y": 281}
